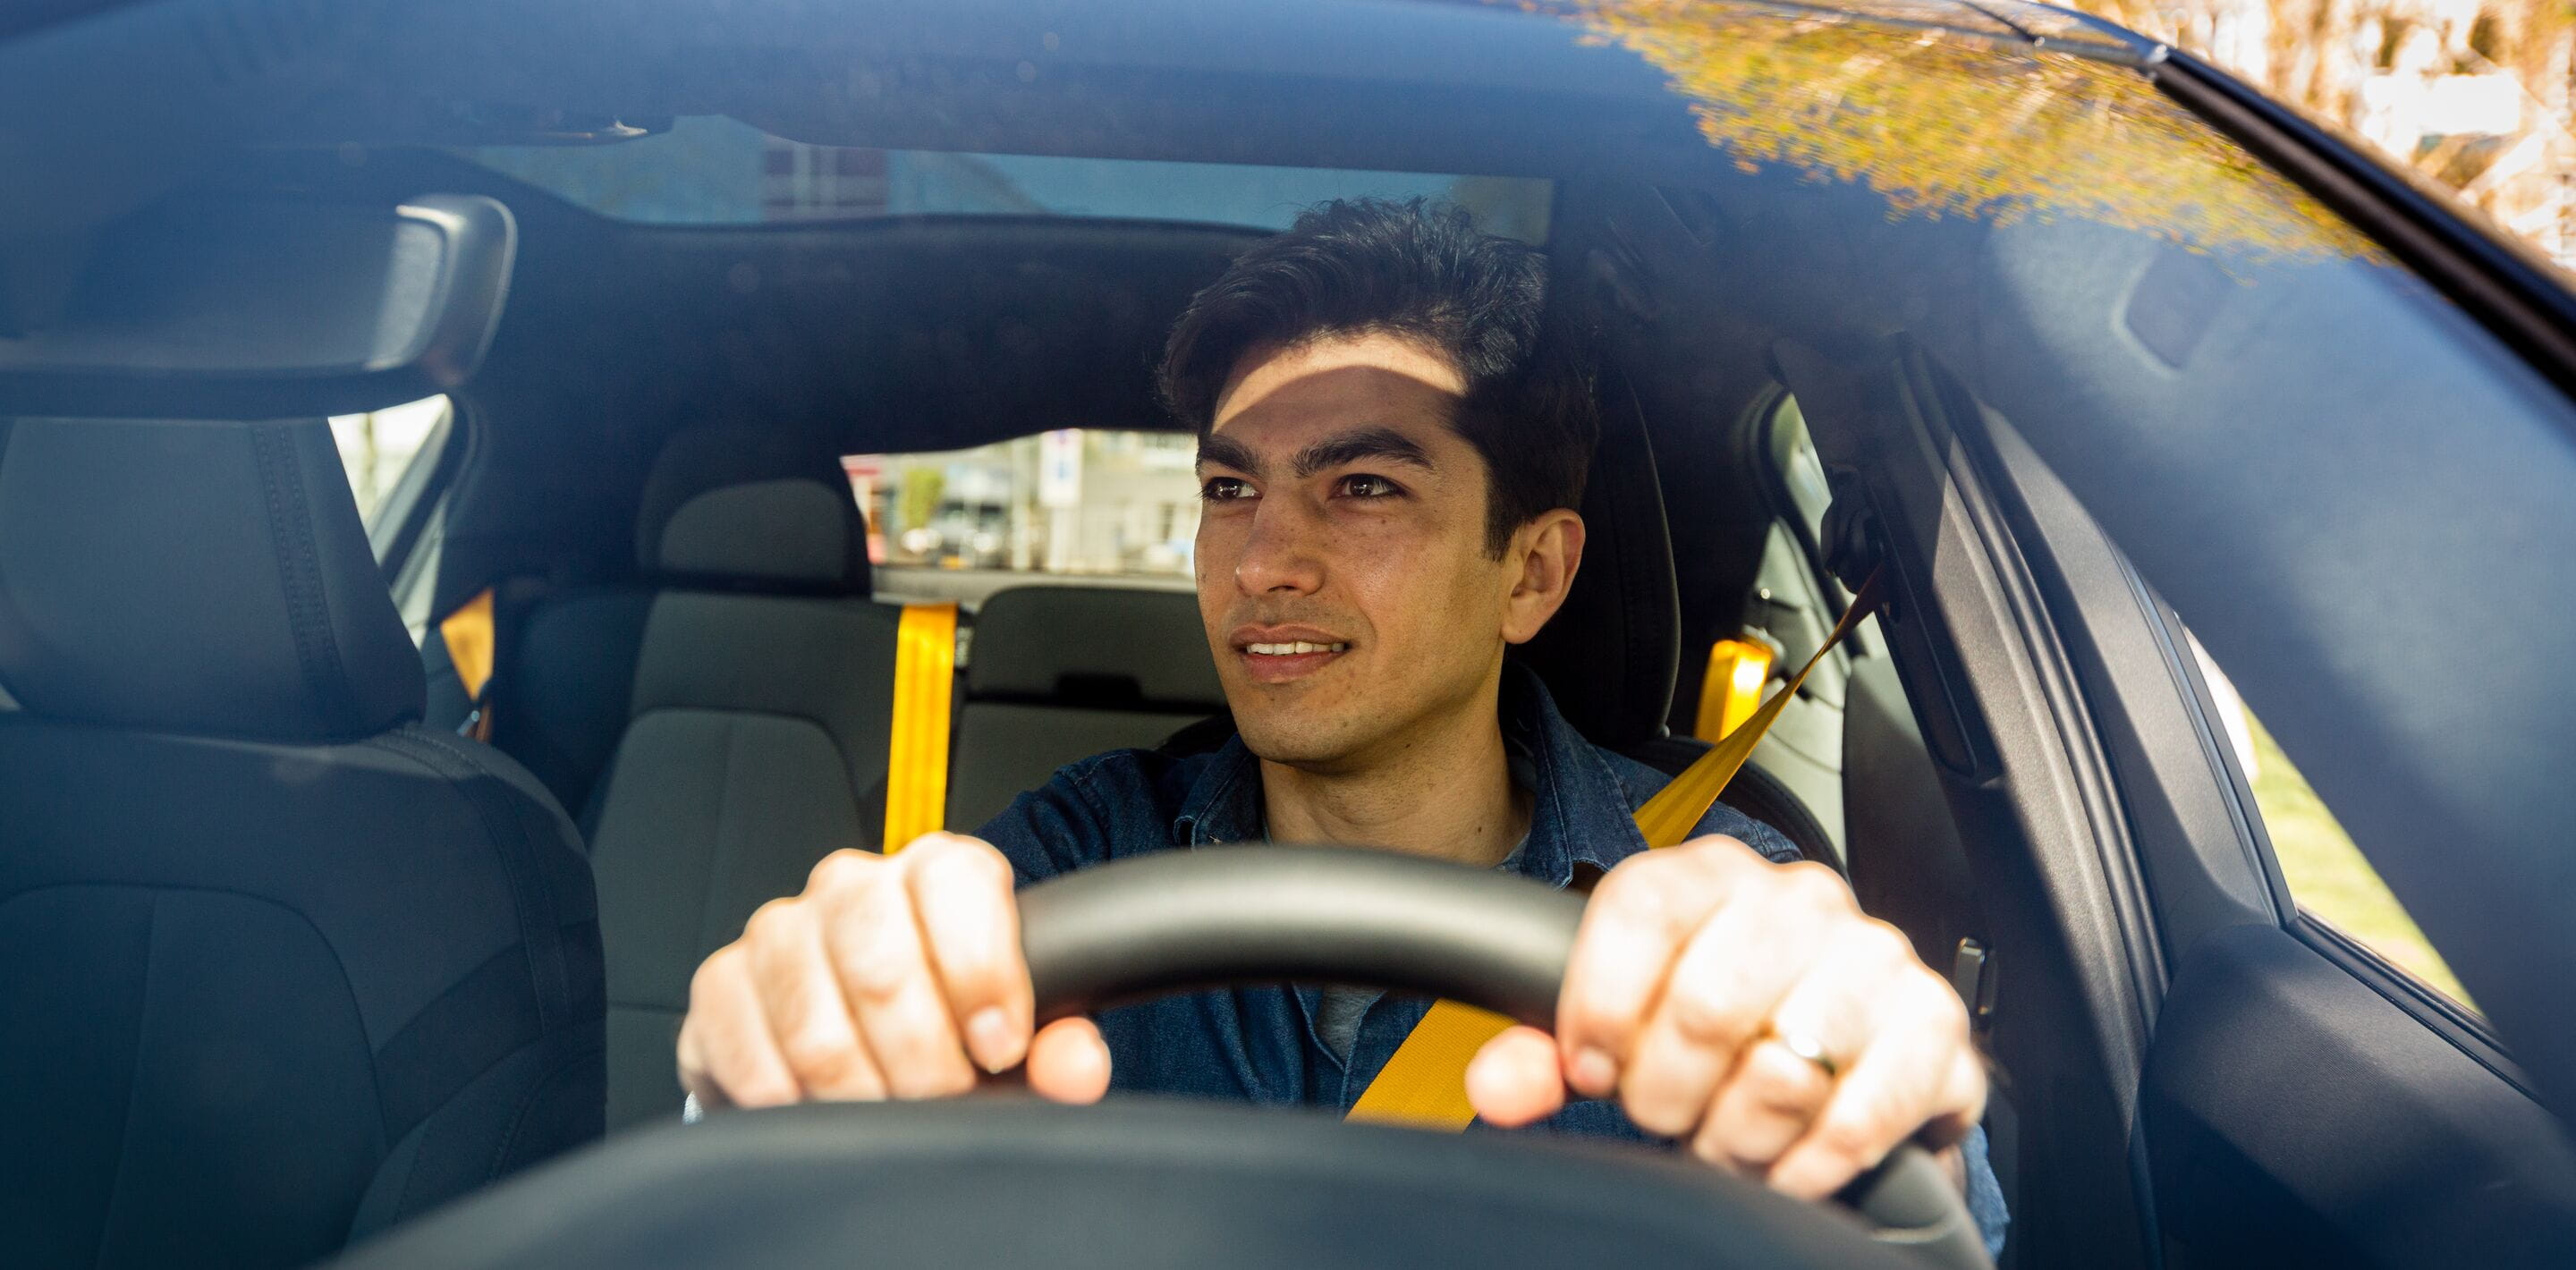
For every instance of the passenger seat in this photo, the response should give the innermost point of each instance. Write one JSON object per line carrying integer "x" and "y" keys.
{"x": 282, "y": 966}
{"x": 749, "y": 736}
{"x": 1060, "y": 673}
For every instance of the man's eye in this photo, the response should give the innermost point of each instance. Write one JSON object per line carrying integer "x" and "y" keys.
{"x": 1219, "y": 489}
{"x": 1365, "y": 486}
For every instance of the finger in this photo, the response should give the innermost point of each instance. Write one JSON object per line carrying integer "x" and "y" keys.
{"x": 726, "y": 1055}
{"x": 1965, "y": 1094}
{"x": 1766, "y": 1105}
{"x": 1515, "y": 1079}
{"x": 800, "y": 997}
{"x": 1915, "y": 1068}
{"x": 1068, "y": 1062}
{"x": 724, "y": 1042}
{"x": 876, "y": 951}
{"x": 961, "y": 893}
{"x": 1734, "y": 972}
{"x": 1636, "y": 923}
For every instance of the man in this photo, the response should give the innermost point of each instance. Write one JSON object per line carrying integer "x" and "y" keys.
{"x": 1389, "y": 452}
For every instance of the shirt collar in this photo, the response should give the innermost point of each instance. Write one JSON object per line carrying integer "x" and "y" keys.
{"x": 1579, "y": 814}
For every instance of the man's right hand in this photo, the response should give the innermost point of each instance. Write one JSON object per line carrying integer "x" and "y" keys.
{"x": 888, "y": 977}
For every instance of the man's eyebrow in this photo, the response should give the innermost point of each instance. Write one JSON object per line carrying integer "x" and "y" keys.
{"x": 1225, "y": 451}
{"x": 1385, "y": 444}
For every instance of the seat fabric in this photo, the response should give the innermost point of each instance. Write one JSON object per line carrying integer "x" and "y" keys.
{"x": 285, "y": 967}
{"x": 1611, "y": 655}
{"x": 724, "y": 720}
{"x": 1060, "y": 673}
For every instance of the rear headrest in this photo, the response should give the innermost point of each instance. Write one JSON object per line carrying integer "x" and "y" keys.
{"x": 1107, "y": 647}
{"x": 748, "y": 507}
{"x": 1610, "y": 656}
{"x": 207, "y": 578}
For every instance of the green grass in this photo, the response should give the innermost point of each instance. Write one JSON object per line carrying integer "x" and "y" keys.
{"x": 2328, "y": 876}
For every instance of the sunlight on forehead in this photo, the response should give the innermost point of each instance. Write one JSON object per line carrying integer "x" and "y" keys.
{"x": 1326, "y": 401}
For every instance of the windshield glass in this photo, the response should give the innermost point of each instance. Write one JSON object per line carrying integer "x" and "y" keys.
{"x": 711, "y": 170}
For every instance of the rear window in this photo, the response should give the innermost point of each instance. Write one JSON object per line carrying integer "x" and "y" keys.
{"x": 711, "y": 170}
{"x": 1094, "y": 504}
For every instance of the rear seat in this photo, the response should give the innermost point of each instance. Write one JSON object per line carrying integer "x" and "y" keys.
{"x": 1060, "y": 673}
{"x": 736, "y": 709}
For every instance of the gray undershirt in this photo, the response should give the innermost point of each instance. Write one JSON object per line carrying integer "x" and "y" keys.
{"x": 1339, "y": 1010}
{"x": 1337, "y": 1017}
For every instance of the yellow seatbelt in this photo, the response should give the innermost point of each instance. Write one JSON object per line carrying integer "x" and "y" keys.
{"x": 473, "y": 650}
{"x": 1424, "y": 1083}
{"x": 925, "y": 665}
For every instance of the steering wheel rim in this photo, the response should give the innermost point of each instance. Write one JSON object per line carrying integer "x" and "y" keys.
{"x": 1139, "y": 1182}
{"x": 1176, "y": 921}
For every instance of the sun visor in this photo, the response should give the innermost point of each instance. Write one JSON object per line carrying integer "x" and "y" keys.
{"x": 262, "y": 308}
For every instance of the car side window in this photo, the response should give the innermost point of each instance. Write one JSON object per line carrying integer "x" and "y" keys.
{"x": 2328, "y": 879}
{"x": 391, "y": 456}
{"x": 380, "y": 447}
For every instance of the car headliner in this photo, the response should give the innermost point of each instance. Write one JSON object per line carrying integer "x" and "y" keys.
{"x": 2290, "y": 494}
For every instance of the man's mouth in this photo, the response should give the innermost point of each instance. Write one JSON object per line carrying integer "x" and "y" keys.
{"x": 1281, "y": 654}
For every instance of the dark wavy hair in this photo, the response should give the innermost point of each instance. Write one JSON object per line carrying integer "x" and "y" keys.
{"x": 1422, "y": 271}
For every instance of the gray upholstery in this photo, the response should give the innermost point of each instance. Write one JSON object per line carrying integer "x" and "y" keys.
{"x": 1052, "y": 643}
{"x": 724, "y": 722}
{"x": 730, "y": 505}
{"x": 256, "y": 613}
{"x": 755, "y": 745}
{"x": 1060, "y": 673}
{"x": 772, "y": 531}
{"x": 727, "y": 509}
{"x": 275, "y": 979}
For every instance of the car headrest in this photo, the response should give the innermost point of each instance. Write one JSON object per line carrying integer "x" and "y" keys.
{"x": 1109, "y": 647}
{"x": 1610, "y": 656}
{"x": 206, "y": 578}
{"x": 750, "y": 508}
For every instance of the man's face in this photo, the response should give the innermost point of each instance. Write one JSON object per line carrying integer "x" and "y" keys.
{"x": 1342, "y": 569}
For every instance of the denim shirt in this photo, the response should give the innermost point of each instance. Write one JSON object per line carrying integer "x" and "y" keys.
{"x": 1259, "y": 1043}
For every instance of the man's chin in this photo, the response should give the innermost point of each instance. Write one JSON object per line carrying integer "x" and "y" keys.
{"x": 1301, "y": 745}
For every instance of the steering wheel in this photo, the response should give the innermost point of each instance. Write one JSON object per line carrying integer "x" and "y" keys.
{"x": 1137, "y": 1183}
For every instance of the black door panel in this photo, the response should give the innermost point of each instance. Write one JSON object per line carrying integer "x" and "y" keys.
{"x": 2295, "y": 1117}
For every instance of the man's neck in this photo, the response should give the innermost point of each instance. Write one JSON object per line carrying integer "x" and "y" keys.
{"x": 1447, "y": 793}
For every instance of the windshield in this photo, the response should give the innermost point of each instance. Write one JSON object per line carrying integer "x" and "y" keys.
{"x": 710, "y": 170}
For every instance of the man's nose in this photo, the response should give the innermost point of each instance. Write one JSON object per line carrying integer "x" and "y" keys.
{"x": 1282, "y": 554}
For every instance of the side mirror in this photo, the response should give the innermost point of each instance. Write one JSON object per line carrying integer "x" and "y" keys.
{"x": 244, "y": 307}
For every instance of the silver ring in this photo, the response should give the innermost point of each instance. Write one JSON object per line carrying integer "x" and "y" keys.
{"x": 1810, "y": 1049}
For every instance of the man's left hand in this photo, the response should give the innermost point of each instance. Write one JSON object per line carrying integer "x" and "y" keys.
{"x": 1750, "y": 1010}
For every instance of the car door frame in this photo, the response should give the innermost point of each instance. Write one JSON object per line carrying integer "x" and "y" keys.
{"x": 2059, "y": 663}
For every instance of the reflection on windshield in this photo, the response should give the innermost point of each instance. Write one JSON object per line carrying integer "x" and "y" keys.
{"x": 1946, "y": 123}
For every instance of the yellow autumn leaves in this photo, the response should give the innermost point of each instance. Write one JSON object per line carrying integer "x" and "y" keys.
{"x": 1946, "y": 123}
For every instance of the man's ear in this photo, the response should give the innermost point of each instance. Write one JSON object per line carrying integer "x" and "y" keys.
{"x": 1548, "y": 550}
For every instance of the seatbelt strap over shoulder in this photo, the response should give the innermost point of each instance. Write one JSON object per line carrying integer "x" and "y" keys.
{"x": 1424, "y": 1083}
{"x": 925, "y": 669}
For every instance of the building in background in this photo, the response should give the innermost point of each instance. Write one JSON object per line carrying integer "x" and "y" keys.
{"x": 1071, "y": 502}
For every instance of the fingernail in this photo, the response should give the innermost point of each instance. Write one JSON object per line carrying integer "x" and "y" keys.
{"x": 1594, "y": 1072}
{"x": 988, "y": 1037}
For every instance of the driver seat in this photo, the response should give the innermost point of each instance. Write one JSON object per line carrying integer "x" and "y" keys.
{"x": 1612, "y": 654}
{"x": 283, "y": 967}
